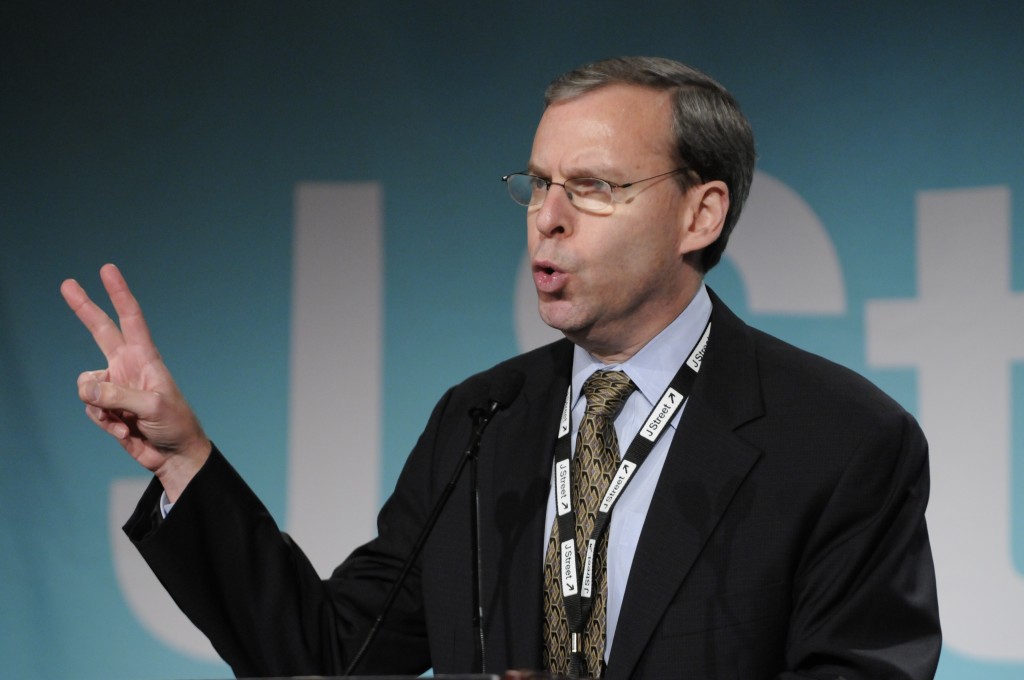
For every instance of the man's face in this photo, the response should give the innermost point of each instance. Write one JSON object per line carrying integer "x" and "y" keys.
{"x": 610, "y": 282}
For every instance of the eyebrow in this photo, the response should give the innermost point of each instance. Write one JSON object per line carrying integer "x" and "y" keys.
{"x": 575, "y": 172}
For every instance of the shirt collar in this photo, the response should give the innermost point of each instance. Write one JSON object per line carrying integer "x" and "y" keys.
{"x": 654, "y": 366}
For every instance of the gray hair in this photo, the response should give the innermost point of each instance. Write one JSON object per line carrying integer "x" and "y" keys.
{"x": 712, "y": 137}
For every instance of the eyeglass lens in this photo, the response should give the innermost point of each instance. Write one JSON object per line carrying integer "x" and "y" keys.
{"x": 586, "y": 192}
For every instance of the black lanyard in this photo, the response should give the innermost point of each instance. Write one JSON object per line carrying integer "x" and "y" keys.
{"x": 578, "y": 594}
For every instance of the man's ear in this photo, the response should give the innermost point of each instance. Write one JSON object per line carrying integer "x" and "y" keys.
{"x": 704, "y": 215}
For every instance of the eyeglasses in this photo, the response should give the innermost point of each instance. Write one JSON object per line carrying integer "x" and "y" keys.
{"x": 586, "y": 193}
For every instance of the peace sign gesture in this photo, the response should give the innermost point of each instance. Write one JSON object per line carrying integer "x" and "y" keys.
{"x": 134, "y": 398}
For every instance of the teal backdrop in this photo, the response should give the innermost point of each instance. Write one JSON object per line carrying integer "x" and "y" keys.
{"x": 294, "y": 186}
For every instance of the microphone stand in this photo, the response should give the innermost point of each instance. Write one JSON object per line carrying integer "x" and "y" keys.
{"x": 474, "y": 522}
{"x": 481, "y": 418}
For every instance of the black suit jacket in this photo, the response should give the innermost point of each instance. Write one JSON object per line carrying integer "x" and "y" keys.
{"x": 786, "y": 538}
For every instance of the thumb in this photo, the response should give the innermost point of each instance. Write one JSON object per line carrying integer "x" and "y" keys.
{"x": 113, "y": 397}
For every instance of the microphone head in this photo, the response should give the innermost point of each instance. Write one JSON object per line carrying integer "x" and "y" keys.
{"x": 506, "y": 387}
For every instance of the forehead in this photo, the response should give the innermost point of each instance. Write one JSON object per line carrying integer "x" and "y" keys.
{"x": 616, "y": 127}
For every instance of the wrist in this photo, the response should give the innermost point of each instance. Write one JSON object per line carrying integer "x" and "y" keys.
{"x": 179, "y": 468}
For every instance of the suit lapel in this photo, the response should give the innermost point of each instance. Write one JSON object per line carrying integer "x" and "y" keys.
{"x": 706, "y": 464}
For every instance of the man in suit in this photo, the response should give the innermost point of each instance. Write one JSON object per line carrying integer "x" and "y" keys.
{"x": 773, "y": 528}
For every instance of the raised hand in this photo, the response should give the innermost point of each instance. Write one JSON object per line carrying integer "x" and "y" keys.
{"x": 134, "y": 398}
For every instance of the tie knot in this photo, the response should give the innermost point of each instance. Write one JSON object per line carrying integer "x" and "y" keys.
{"x": 606, "y": 392}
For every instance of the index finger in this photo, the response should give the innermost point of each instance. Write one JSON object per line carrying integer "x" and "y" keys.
{"x": 133, "y": 325}
{"x": 105, "y": 332}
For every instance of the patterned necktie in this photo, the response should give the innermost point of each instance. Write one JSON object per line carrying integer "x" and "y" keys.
{"x": 597, "y": 458}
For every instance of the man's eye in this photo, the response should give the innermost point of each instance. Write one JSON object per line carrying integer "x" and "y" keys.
{"x": 587, "y": 185}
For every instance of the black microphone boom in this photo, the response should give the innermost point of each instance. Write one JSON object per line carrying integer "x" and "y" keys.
{"x": 504, "y": 390}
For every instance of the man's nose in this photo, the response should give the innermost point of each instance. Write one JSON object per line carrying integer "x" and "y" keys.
{"x": 556, "y": 213}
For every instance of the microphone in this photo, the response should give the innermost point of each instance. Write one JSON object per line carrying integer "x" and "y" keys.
{"x": 503, "y": 391}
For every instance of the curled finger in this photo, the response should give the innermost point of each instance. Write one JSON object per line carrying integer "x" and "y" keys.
{"x": 100, "y": 375}
{"x": 107, "y": 421}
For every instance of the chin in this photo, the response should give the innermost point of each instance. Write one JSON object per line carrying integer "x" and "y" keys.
{"x": 558, "y": 318}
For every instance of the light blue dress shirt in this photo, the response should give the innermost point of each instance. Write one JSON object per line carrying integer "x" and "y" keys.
{"x": 651, "y": 369}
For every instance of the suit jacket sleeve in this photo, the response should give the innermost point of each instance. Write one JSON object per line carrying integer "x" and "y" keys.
{"x": 864, "y": 603}
{"x": 253, "y": 592}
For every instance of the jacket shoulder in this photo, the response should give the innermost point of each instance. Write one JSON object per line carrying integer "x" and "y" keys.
{"x": 537, "y": 369}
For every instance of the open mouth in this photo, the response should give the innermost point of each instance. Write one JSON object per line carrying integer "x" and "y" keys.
{"x": 548, "y": 278}
{"x": 544, "y": 267}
